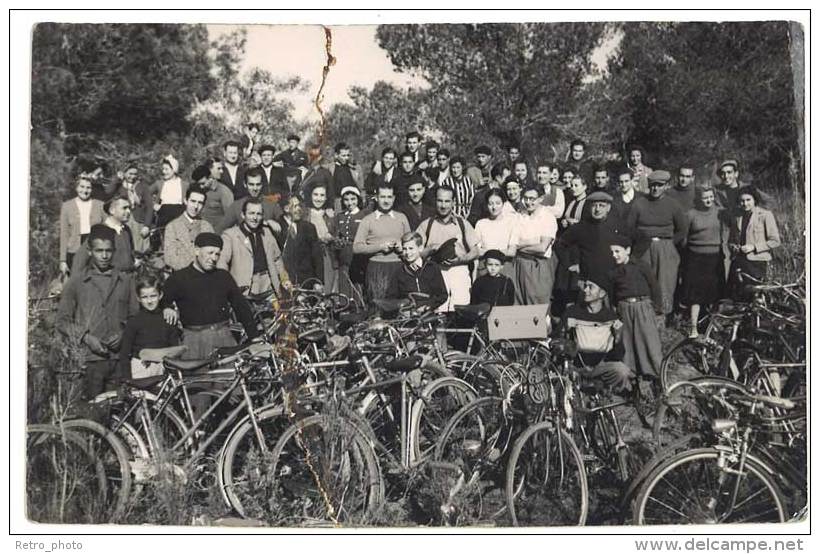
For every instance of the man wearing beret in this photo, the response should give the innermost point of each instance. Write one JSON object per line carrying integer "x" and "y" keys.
{"x": 663, "y": 221}
{"x": 203, "y": 296}
{"x": 94, "y": 305}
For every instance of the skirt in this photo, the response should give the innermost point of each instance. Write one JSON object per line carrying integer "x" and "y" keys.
{"x": 642, "y": 341}
{"x": 703, "y": 281}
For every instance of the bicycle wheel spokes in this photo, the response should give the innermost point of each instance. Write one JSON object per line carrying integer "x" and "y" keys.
{"x": 690, "y": 359}
{"x": 546, "y": 480}
{"x": 439, "y": 401}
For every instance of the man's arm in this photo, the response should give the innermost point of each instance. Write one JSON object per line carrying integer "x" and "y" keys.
{"x": 225, "y": 256}
{"x": 654, "y": 288}
{"x": 360, "y": 242}
{"x": 240, "y": 306}
{"x": 680, "y": 222}
{"x": 66, "y": 310}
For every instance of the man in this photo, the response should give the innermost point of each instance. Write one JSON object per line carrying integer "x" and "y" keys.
{"x": 431, "y": 172}
{"x": 137, "y": 193}
{"x": 480, "y": 172}
{"x": 596, "y": 330}
{"x": 585, "y": 247}
{"x": 452, "y": 242}
{"x": 250, "y": 251}
{"x": 623, "y": 201}
{"x": 269, "y": 188}
{"x": 128, "y": 236}
{"x": 271, "y": 212}
{"x": 535, "y": 261}
{"x": 218, "y": 197}
{"x": 601, "y": 180}
{"x": 407, "y": 174}
{"x": 233, "y": 173}
{"x": 478, "y": 207}
{"x": 578, "y": 161}
{"x": 95, "y": 303}
{"x": 443, "y": 160}
{"x": 248, "y": 140}
{"x": 415, "y": 209}
{"x": 382, "y": 172}
{"x": 552, "y": 198}
{"x": 203, "y": 296}
{"x": 344, "y": 173}
{"x": 290, "y": 159}
{"x": 412, "y": 144}
{"x": 299, "y": 244}
{"x": 378, "y": 236}
{"x": 514, "y": 155}
{"x": 662, "y": 220}
{"x": 684, "y": 190}
{"x": 463, "y": 188}
{"x": 178, "y": 243}
{"x": 417, "y": 274}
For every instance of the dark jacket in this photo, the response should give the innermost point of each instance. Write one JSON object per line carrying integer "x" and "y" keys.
{"x": 303, "y": 254}
{"x": 427, "y": 279}
{"x": 427, "y": 212}
{"x": 587, "y": 244}
{"x": 237, "y": 188}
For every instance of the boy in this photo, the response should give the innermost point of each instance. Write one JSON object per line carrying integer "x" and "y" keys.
{"x": 638, "y": 298}
{"x": 493, "y": 288}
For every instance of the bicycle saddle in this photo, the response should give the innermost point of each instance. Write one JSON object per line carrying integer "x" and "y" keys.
{"x": 186, "y": 365}
{"x": 260, "y": 297}
{"x": 404, "y": 364}
{"x": 145, "y": 383}
{"x": 155, "y": 355}
{"x": 473, "y": 312}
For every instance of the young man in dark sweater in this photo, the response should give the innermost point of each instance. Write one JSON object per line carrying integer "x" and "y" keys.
{"x": 417, "y": 274}
{"x": 204, "y": 297}
{"x": 493, "y": 288}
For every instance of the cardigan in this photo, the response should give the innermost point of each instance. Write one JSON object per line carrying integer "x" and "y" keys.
{"x": 70, "y": 225}
{"x": 762, "y": 233}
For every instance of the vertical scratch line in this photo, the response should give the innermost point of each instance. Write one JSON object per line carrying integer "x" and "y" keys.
{"x": 319, "y": 94}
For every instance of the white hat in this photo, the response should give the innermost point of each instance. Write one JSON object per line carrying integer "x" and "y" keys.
{"x": 172, "y": 161}
{"x": 352, "y": 189}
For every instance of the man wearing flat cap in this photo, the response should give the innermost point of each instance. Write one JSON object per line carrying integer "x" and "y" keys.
{"x": 201, "y": 296}
{"x": 662, "y": 220}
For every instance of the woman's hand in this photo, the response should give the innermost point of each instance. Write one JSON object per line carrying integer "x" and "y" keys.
{"x": 747, "y": 248}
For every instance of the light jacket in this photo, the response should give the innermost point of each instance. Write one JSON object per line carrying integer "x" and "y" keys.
{"x": 762, "y": 234}
{"x": 70, "y": 225}
{"x": 178, "y": 244}
{"x": 237, "y": 257}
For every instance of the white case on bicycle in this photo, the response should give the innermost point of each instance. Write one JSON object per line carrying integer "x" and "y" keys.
{"x": 519, "y": 322}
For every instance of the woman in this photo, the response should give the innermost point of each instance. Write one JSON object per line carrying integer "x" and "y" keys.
{"x": 77, "y": 215}
{"x": 703, "y": 270}
{"x": 498, "y": 231}
{"x": 325, "y": 229}
{"x": 351, "y": 266}
{"x": 640, "y": 172}
{"x": 752, "y": 237}
{"x": 513, "y": 189}
{"x": 169, "y": 192}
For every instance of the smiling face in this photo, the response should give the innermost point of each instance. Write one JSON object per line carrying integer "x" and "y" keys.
{"x": 456, "y": 169}
{"x": 294, "y": 208}
{"x": 350, "y": 201}
{"x": 555, "y": 176}
{"x": 102, "y": 253}
{"x": 194, "y": 204}
{"x": 83, "y": 189}
{"x": 747, "y": 202}
{"x": 388, "y": 160}
{"x": 318, "y": 197}
{"x": 130, "y": 175}
{"x": 343, "y": 156}
{"x": 254, "y": 185}
{"x": 707, "y": 198}
{"x": 253, "y": 215}
{"x": 635, "y": 157}
{"x": 728, "y": 175}
{"x": 620, "y": 254}
{"x": 566, "y": 177}
{"x": 592, "y": 292}
{"x": 267, "y": 158}
{"x": 231, "y": 154}
{"x": 513, "y": 191}
{"x": 410, "y": 251}
{"x": 531, "y": 200}
{"x": 385, "y": 199}
{"x": 520, "y": 171}
{"x": 167, "y": 170}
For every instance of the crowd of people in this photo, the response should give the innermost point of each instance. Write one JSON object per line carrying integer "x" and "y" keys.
{"x": 613, "y": 248}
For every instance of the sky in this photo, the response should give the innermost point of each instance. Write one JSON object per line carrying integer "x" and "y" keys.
{"x": 287, "y": 50}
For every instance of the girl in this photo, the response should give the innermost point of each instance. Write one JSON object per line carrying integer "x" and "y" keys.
{"x": 351, "y": 266}
{"x": 76, "y": 218}
{"x": 640, "y": 172}
{"x": 169, "y": 192}
{"x": 499, "y": 231}
{"x": 752, "y": 238}
{"x": 325, "y": 229}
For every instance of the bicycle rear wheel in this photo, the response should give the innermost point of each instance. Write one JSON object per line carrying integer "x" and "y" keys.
{"x": 697, "y": 487}
{"x": 546, "y": 480}
{"x": 690, "y": 359}
{"x": 439, "y": 401}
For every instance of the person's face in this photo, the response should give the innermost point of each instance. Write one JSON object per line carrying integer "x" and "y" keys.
{"x": 728, "y": 175}
{"x": 483, "y": 159}
{"x": 635, "y": 157}
{"x": 102, "y": 253}
{"x": 567, "y": 177}
{"x": 513, "y": 191}
{"x": 207, "y": 256}
{"x": 216, "y": 171}
{"x": 656, "y": 189}
{"x": 493, "y": 267}
{"x": 294, "y": 208}
{"x": 130, "y": 175}
{"x": 444, "y": 202}
{"x": 432, "y": 154}
{"x": 456, "y": 169}
{"x": 343, "y": 156}
{"x": 521, "y": 171}
{"x": 577, "y": 152}
{"x": 149, "y": 298}
{"x": 83, "y": 189}
{"x": 577, "y": 187}
{"x": 530, "y": 201}
{"x": 267, "y": 158}
{"x": 318, "y": 197}
{"x": 96, "y": 175}
{"x": 599, "y": 210}
{"x": 194, "y": 204}
{"x": 416, "y": 192}
{"x": 252, "y": 132}
{"x": 385, "y": 199}
{"x": 555, "y": 176}
{"x": 592, "y": 292}
{"x": 747, "y": 202}
{"x": 443, "y": 161}
{"x": 253, "y": 215}
{"x": 350, "y": 201}
{"x": 167, "y": 171}
{"x": 707, "y": 198}
{"x": 389, "y": 160}
{"x": 253, "y": 161}
{"x": 407, "y": 164}
{"x": 686, "y": 177}
{"x": 293, "y": 144}
{"x": 121, "y": 210}
{"x": 413, "y": 144}
{"x": 625, "y": 183}
{"x": 514, "y": 153}
{"x": 494, "y": 206}
{"x": 410, "y": 251}
{"x": 231, "y": 154}
{"x": 542, "y": 175}
{"x": 254, "y": 185}
{"x": 601, "y": 179}
{"x": 619, "y": 254}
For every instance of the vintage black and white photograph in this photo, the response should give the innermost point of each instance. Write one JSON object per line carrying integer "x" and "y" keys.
{"x": 473, "y": 275}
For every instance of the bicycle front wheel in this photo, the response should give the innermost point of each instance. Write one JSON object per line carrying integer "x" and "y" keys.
{"x": 546, "y": 479}
{"x": 703, "y": 486}
{"x": 439, "y": 401}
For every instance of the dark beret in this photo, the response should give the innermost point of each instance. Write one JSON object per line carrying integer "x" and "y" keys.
{"x": 101, "y": 232}
{"x": 659, "y": 176}
{"x": 494, "y": 255}
{"x": 621, "y": 240}
{"x": 208, "y": 239}
{"x": 266, "y": 148}
{"x": 599, "y": 196}
{"x": 295, "y": 137}
{"x": 483, "y": 150}
{"x": 600, "y": 278}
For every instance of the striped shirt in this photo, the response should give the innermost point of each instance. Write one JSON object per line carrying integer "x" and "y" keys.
{"x": 464, "y": 192}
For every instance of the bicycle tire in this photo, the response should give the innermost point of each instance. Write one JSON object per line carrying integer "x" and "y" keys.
{"x": 689, "y": 359}
{"x": 572, "y": 486}
{"x": 429, "y": 414}
{"x": 653, "y": 492}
